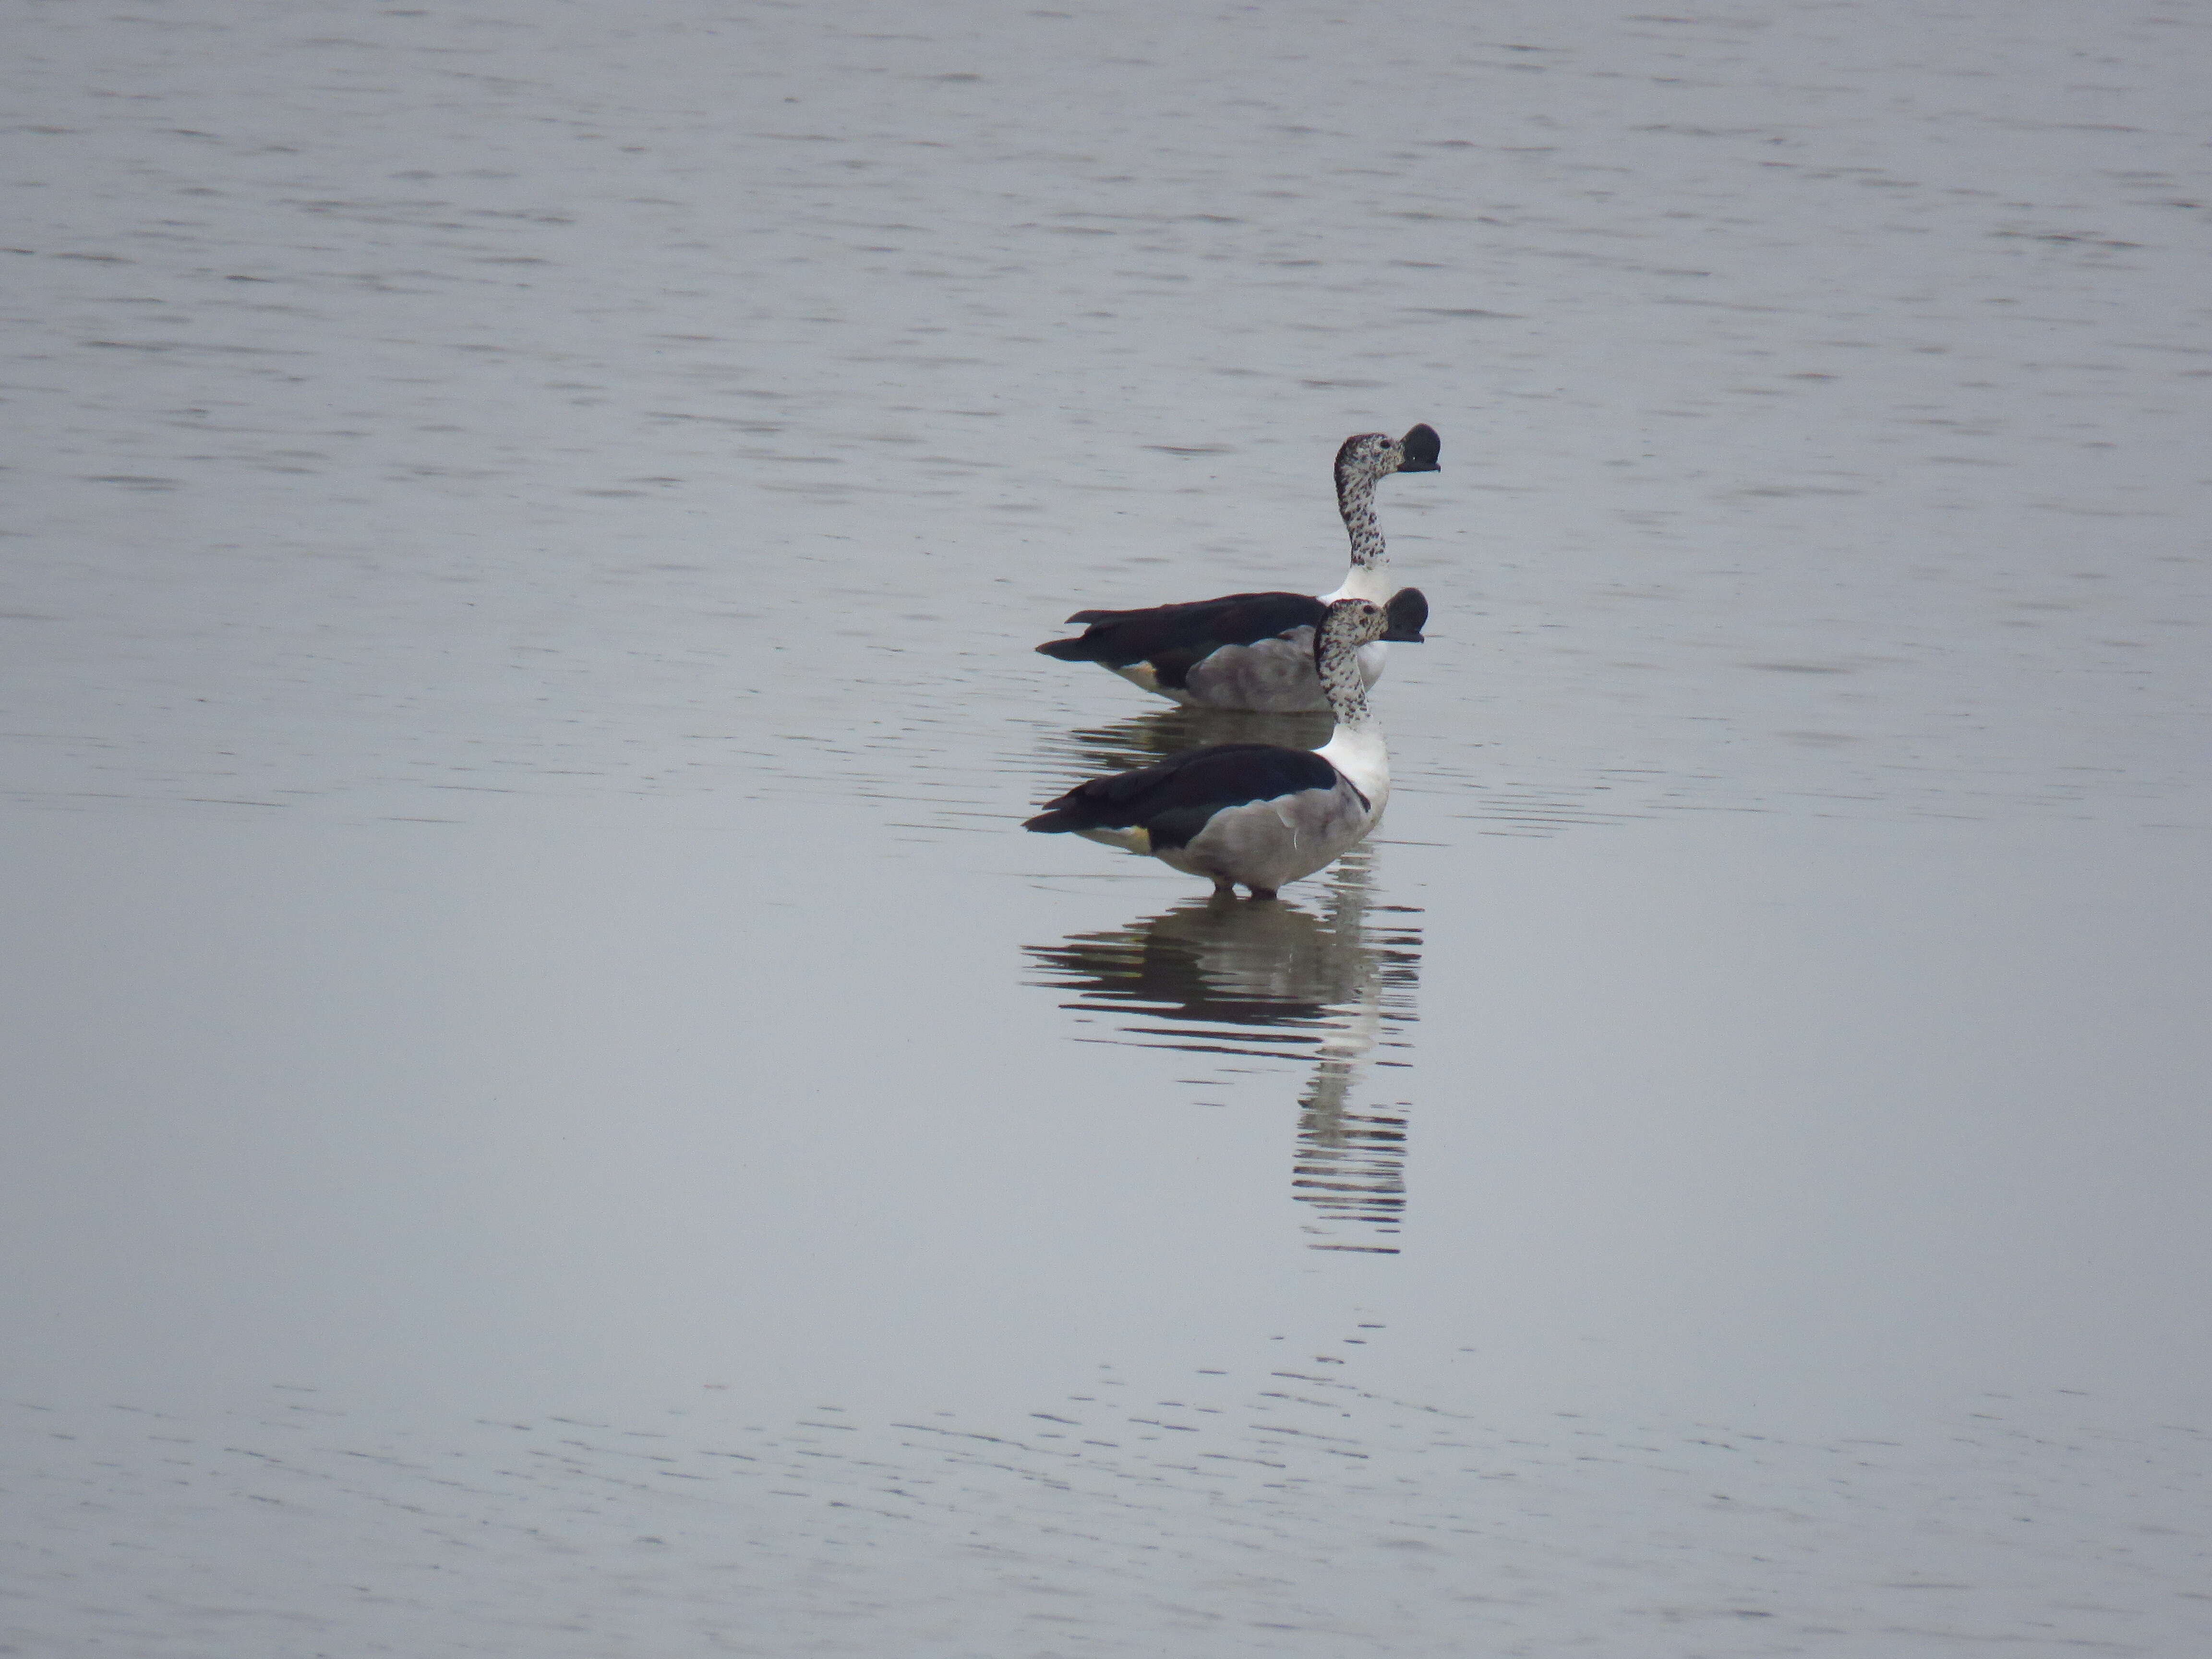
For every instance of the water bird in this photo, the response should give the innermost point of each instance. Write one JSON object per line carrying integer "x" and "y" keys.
{"x": 1256, "y": 651}
{"x": 1256, "y": 814}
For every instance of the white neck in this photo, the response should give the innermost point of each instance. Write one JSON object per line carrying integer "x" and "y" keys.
{"x": 1356, "y": 747}
{"x": 1363, "y": 756}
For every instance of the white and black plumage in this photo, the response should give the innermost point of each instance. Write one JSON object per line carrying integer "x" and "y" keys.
{"x": 1256, "y": 651}
{"x": 1254, "y": 814}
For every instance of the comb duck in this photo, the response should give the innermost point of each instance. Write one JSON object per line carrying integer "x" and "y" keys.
{"x": 1255, "y": 814}
{"x": 1256, "y": 651}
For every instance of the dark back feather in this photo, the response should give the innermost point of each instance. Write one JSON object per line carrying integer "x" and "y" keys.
{"x": 1176, "y": 638}
{"x": 1174, "y": 799}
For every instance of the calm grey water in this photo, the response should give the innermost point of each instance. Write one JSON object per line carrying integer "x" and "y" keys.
{"x": 552, "y": 1109}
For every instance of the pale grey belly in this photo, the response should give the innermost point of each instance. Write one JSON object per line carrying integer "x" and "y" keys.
{"x": 1268, "y": 843}
{"x": 1274, "y": 677}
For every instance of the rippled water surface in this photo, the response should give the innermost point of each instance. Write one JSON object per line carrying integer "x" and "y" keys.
{"x": 554, "y": 1110}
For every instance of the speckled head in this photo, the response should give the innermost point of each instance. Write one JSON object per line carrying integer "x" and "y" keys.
{"x": 1367, "y": 456}
{"x": 1349, "y": 624}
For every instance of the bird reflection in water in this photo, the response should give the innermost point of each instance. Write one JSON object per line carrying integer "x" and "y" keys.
{"x": 1328, "y": 981}
{"x": 1139, "y": 740}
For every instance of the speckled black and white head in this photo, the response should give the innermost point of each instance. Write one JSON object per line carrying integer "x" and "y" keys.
{"x": 1362, "y": 460}
{"x": 1349, "y": 624}
{"x": 1366, "y": 457}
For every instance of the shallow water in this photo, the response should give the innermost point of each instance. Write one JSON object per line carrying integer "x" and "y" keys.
{"x": 556, "y": 1111}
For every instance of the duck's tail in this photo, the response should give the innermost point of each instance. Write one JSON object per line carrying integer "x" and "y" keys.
{"x": 1082, "y": 648}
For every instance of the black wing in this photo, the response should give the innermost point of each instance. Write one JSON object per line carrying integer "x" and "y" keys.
{"x": 1174, "y": 799}
{"x": 1174, "y": 638}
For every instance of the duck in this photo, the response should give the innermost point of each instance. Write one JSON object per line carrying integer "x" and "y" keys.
{"x": 1256, "y": 651}
{"x": 1259, "y": 815}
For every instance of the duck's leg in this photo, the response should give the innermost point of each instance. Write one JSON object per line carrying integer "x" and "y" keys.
{"x": 1263, "y": 892}
{"x": 1224, "y": 888}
